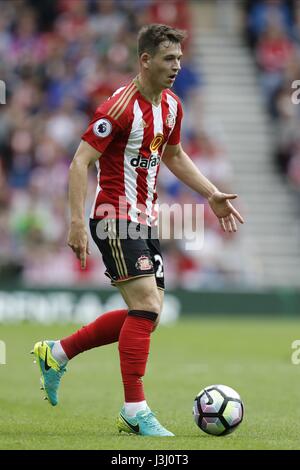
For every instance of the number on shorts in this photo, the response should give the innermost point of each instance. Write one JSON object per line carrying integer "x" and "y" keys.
{"x": 160, "y": 271}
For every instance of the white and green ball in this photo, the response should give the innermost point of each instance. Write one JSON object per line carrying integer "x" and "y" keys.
{"x": 218, "y": 410}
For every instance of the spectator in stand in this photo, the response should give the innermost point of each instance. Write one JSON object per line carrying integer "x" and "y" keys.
{"x": 273, "y": 52}
{"x": 174, "y": 12}
{"x": 261, "y": 13}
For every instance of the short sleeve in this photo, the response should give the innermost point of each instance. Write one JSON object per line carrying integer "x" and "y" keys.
{"x": 174, "y": 137}
{"x": 101, "y": 131}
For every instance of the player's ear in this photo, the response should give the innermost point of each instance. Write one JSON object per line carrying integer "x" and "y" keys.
{"x": 145, "y": 59}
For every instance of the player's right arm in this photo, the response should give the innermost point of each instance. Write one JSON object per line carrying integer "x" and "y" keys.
{"x": 85, "y": 156}
{"x": 101, "y": 131}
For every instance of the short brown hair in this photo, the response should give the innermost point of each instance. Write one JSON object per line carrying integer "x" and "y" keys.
{"x": 150, "y": 37}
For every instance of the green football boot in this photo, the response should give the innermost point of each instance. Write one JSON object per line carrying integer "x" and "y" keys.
{"x": 51, "y": 371}
{"x": 143, "y": 423}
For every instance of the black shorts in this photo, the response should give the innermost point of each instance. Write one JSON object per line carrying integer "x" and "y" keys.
{"x": 124, "y": 257}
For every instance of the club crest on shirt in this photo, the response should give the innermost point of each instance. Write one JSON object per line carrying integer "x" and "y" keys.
{"x": 170, "y": 121}
{"x": 156, "y": 142}
{"x": 144, "y": 263}
{"x": 102, "y": 127}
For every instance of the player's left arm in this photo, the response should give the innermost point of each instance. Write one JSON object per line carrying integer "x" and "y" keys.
{"x": 180, "y": 164}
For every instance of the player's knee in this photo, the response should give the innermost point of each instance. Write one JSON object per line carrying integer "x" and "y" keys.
{"x": 152, "y": 305}
{"x": 150, "y": 301}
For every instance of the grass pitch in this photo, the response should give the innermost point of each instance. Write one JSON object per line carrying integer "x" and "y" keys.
{"x": 251, "y": 355}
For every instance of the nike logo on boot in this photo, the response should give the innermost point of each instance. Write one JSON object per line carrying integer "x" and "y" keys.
{"x": 134, "y": 427}
{"x": 47, "y": 367}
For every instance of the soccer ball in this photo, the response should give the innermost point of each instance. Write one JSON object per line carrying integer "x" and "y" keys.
{"x": 218, "y": 410}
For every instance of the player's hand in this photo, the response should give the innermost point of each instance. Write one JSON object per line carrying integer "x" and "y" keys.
{"x": 223, "y": 209}
{"x": 78, "y": 241}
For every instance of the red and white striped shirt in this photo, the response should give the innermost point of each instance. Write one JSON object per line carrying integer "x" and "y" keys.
{"x": 131, "y": 134}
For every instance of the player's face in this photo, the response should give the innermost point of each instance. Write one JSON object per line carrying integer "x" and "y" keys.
{"x": 165, "y": 64}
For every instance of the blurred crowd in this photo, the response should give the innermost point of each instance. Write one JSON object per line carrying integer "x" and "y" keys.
{"x": 273, "y": 31}
{"x": 60, "y": 59}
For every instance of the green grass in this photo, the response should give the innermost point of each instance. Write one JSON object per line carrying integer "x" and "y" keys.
{"x": 252, "y": 355}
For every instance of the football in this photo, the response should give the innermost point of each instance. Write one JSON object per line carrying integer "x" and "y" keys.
{"x": 218, "y": 410}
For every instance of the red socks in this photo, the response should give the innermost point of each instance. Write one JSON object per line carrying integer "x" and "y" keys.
{"x": 133, "y": 330}
{"x": 134, "y": 345}
{"x": 104, "y": 330}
